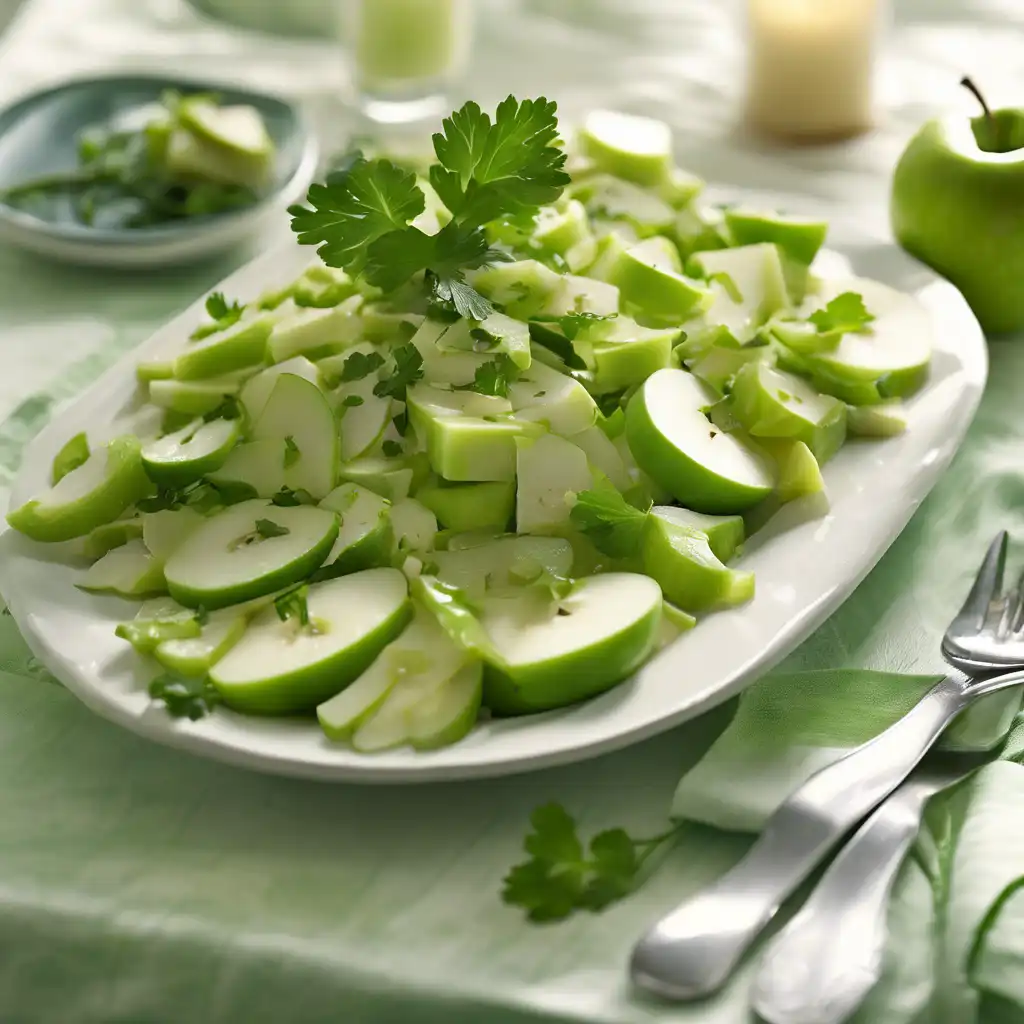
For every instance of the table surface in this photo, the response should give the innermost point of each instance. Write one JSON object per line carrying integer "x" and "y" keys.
{"x": 140, "y": 885}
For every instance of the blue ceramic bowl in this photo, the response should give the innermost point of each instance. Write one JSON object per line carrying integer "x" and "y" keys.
{"x": 38, "y": 136}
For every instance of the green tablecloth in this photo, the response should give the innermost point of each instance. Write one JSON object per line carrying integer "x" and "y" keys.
{"x": 141, "y": 885}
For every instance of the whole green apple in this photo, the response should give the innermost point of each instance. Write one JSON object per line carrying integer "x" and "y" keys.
{"x": 958, "y": 205}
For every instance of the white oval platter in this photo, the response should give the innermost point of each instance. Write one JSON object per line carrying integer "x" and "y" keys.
{"x": 806, "y": 565}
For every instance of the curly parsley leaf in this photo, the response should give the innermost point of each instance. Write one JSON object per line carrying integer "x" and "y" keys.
{"x": 287, "y": 498}
{"x": 506, "y": 168}
{"x": 845, "y": 314}
{"x": 224, "y": 314}
{"x": 570, "y": 324}
{"x": 408, "y": 370}
{"x": 360, "y": 365}
{"x": 355, "y": 208}
{"x": 615, "y": 527}
{"x": 184, "y": 698}
{"x": 561, "y": 877}
{"x": 492, "y": 378}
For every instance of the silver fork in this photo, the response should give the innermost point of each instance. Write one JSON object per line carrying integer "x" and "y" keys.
{"x": 691, "y": 951}
{"x": 988, "y": 632}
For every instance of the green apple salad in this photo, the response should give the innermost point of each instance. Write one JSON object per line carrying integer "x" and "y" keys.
{"x": 497, "y": 446}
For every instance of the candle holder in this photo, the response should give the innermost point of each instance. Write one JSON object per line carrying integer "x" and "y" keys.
{"x": 407, "y": 55}
{"x": 811, "y": 67}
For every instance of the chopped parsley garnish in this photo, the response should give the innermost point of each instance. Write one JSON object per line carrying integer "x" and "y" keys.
{"x": 184, "y": 698}
{"x": 845, "y": 314}
{"x": 360, "y": 365}
{"x": 291, "y": 452}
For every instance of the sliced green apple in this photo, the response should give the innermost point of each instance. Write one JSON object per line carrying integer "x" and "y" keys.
{"x": 725, "y": 534}
{"x": 449, "y": 713}
{"x": 96, "y": 543}
{"x": 236, "y": 556}
{"x": 364, "y": 416}
{"x": 747, "y": 285}
{"x": 626, "y": 354}
{"x": 521, "y": 288}
{"x": 128, "y": 571}
{"x": 603, "y": 455}
{"x": 576, "y": 294}
{"x": 559, "y": 402}
{"x": 193, "y": 657}
{"x": 192, "y": 452}
{"x": 256, "y": 390}
{"x": 674, "y": 623}
{"x": 414, "y": 525}
{"x": 285, "y": 667}
{"x": 720, "y": 364}
{"x": 241, "y": 346}
{"x": 238, "y": 127}
{"x": 680, "y": 188}
{"x": 773, "y": 403}
{"x": 460, "y": 443}
{"x": 625, "y": 203}
{"x": 559, "y": 229}
{"x": 797, "y": 237}
{"x": 876, "y": 420}
{"x": 158, "y": 620}
{"x": 298, "y": 413}
{"x": 470, "y": 506}
{"x": 503, "y": 562}
{"x": 196, "y": 397}
{"x": 154, "y": 369}
{"x": 256, "y": 464}
{"x": 798, "y": 473}
{"x": 365, "y": 536}
{"x": 649, "y": 280}
{"x": 316, "y": 332}
{"x": 638, "y": 149}
{"x": 676, "y": 445}
{"x": 165, "y": 531}
{"x": 390, "y": 478}
{"x": 98, "y": 491}
{"x": 549, "y": 471}
{"x": 557, "y": 654}
{"x": 680, "y": 559}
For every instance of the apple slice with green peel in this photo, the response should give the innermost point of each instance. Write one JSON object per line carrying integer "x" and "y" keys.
{"x": 247, "y": 550}
{"x": 549, "y": 471}
{"x": 582, "y": 295}
{"x": 680, "y": 188}
{"x": 256, "y": 391}
{"x": 470, "y": 506}
{"x": 449, "y": 713}
{"x": 773, "y": 403}
{"x": 463, "y": 447}
{"x": 95, "y": 493}
{"x": 364, "y": 416}
{"x": 316, "y": 332}
{"x": 674, "y": 443}
{"x": 195, "y": 397}
{"x": 238, "y": 127}
{"x": 503, "y": 562}
{"x": 725, "y": 534}
{"x": 603, "y": 455}
{"x": 719, "y": 365}
{"x": 298, "y": 413}
{"x": 680, "y": 559}
{"x": 747, "y": 285}
{"x": 193, "y": 657}
{"x": 521, "y": 288}
{"x": 187, "y": 155}
{"x": 291, "y": 666}
{"x": 99, "y": 541}
{"x": 412, "y": 666}
{"x": 893, "y": 351}
{"x": 559, "y": 402}
{"x": 559, "y": 229}
{"x": 256, "y": 464}
{"x": 638, "y": 149}
{"x": 797, "y": 237}
{"x": 365, "y": 538}
{"x": 241, "y": 346}
{"x": 698, "y": 230}
{"x": 414, "y": 525}
{"x": 648, "y": 280}
{"x": 128, "y": 571}
{"x": 626, "y": 354}
{"x": 674, "y": 623}
{"x": 553, "y": 654}
{"x": 177, "y": 459}
{"x": 154, "y": 369}
{"x": 157, "y": 621}
{"x": 453, "y": 368}
{"x": 626, "y": 204}
{"x": 165, "y": 531}
{"x": 390, "y": 478}
{"x": 797, "y": 471}
{"x": 498, "y": 334}
{"x": 876, "y": 420}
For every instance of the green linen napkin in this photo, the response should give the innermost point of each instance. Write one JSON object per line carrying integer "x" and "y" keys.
{"x": 956, "y": 919}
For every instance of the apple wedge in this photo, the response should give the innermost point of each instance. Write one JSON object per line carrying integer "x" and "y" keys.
{"x": 247, "y": 550}
{"x": 287, "y": 667}
{"x": 553, "y": 655}
{"x": 725, "y": 534}
{"x": 95, "y": 493}
{"x": 256, "y": 390}
{"x": 177, "y": 459}
{"x": 128, "y": 571}
{"x": 638, "y": 149}
{"x": 241, "y": 346}
{"x": 675, "y": 444}
{"x": 364, "y": 538}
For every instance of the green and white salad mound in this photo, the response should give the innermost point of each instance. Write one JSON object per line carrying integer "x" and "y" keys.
{"x": 500, "y": 443}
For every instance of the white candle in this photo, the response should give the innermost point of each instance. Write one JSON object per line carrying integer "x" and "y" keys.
{"x": 811, "y": 66}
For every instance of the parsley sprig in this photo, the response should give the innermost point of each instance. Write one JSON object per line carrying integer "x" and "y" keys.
{"x": 492, "y": 377}
{"x": 845, "y": 314}
{"x": 222, "y": 314}
{"x": 615, "y": 527}
{"x": 184, "y": 698}
{"x": 561, "y": 876}
{"x": 361, "y": 216}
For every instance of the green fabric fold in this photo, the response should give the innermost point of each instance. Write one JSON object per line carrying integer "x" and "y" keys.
{"x": 955, "y": 951}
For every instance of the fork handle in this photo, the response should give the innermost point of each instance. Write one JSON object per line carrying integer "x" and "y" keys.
{"x": 820, "y": 967}
{"x": 691, "y": 951}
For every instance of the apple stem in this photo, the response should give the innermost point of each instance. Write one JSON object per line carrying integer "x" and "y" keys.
{"x": 969, "y": 85}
